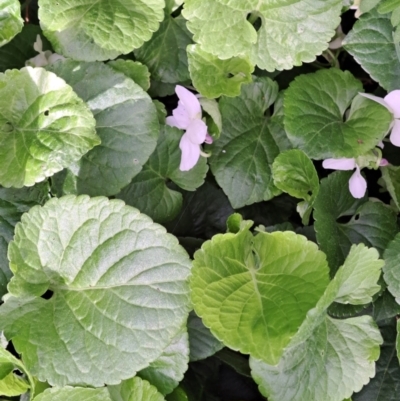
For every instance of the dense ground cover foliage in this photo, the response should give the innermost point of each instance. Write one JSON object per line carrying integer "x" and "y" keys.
{"x": 199, "y": 200}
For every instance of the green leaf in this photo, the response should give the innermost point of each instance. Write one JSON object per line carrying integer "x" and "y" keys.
{"x": 242, "y": 157}
{"x": 214, "y": 77}
{"x": 20, "y": 49}
{"x": 359, "y": 276}
{"x": 391, "y": 177}
{"x": 372, "y": 223}
{"x": 323, "y": 97}
{"x": 44, "y": 127}
{"x": 11, "y": 22}
{"x": 134, "y": 389}
{"x": 126, "y": 122}
{"x": 254, "y": 293}
{"x": 13, "y": 203}
{"x": 387, "y": 6}
{"x": 74, "y": 394}
{"x": 286, "y": 36}
{"x": 391, "y": 271}
{"x": 165, "y": 53}
{"x": 149, "y": 192}
{"x": 334, "y": 361}
{"x": 203, "y": 214}
{"x": 168, "y": 369}
{"x": 201, "y": 341}
{"x": 295, "y": 174}
{"x": 328, "y": 359}
{"x": 368, "y": 5}
{"x": 74, "y": 43}
{"x": 177, "y": 395}
{"x": 213, "y": 116}
{"x": 385, "y": 385}
{"x": 10, "y": 383}
{"x": 385, "y": 307}
{"x": 134, "y": 70}
{"x": 119, "y": 291}
{"x": 371, "y": 44}
{"x": 118, "y": 26}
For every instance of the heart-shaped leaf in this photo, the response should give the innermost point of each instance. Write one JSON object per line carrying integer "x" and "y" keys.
{"x": 254, "y": 292}
{"x": 44, "y": 127}
{"x": 118, "y": 284}
{"x": 316, "y": 120}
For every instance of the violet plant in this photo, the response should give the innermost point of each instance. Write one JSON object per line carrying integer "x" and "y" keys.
{"x": 171, "y": 227}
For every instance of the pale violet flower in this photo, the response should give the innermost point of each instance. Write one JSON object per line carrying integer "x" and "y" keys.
{"x": 357, "y": 183}
{"x": 187, "y": 116}
{"x": 392, "y": 102}
{"x": 44, "y": 57}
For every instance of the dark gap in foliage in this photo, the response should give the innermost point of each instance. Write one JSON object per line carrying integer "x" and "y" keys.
{"x": 47, "y": 295}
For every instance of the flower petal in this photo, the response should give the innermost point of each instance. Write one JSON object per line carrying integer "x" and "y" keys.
{"x": 189, "y": 101}
{"x": 395, "y": 135}
{"x": 393, "y": 100}
{"x": 196, "y": 132}
{"x": 377, "y": 100}
{"x": 190, "y": 153}
{"x": 383, "y": 163}
{"x": 339, "y": 164}
{"x": 38, "y": 45}
{"x": 55, "y": 57}
{"x": 208, "y": 139}
{"x": 171, "y": 121}
{"x": 357, "y": 184}
{"x": 181, "y": 116}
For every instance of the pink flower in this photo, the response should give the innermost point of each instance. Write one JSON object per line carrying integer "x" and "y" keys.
{"x": 392, "y": 102}
{"x": 357, "y": 183}
{"x": 187, "y": 116}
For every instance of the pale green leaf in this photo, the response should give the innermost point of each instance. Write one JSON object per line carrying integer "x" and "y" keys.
{"x": 10, "y": 383}
{"x": 119, "y": 291}
{"x": 286, "y": 36}
{"x": 371, "y": 223}
{"x": 74, "y": 394}
{"x": 368, "y": 5}
{"x": 371, "y": 44}
{"x": 74, "y": 43}
{"x": 44, "y": 126}
{"x": 13, "y": 203}
{"x": 359, "y": 276}
{"x": 214, "y": 77}
{"x": 391, "y": 270}
{"x": 116, "y": 26}
{"x": 295, "y": 174}
{"x": 134, "y": 70}
{"x": 391, "y": 177}
{"x": 149, "y": 192}
{"x": 328, "y": 359}
{"x": 334, "y": 361}
{"x": 315, "y": 107}
{"x": 387, "y": 6}
{"x": 126, "y": 122}
{"x": 168, "y": 369}
{"x": 13, "y": 385}
{"x": 242, "y": 157}
{"x": 202, "y": 343}
{"x": 254, "y": 293}
{"x": 165, "y": 53}
{"x": 134, "y": 389}
{"x": 11, "y": 22}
